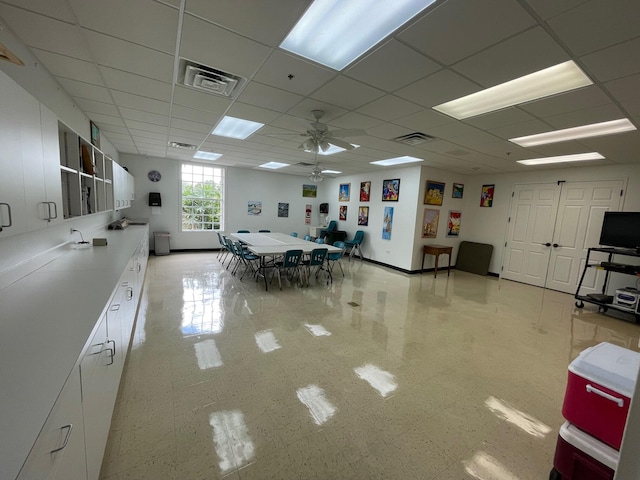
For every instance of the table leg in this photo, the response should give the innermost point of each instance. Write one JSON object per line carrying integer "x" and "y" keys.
{"x": 435, "y": 272}
{"x": 449, "y": 267}
{"x": 422, "y": 270}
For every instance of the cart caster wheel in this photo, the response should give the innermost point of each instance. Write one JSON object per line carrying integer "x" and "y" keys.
{"x": 555, "y": 475}
{"x": 580, "y": 304}
{"x": 602, "y": 309}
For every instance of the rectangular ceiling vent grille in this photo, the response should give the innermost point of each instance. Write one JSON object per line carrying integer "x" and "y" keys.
{"x": 414, "y": 138}
{"x": 209, "y": 80}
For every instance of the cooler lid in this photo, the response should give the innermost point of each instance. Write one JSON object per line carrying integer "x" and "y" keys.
{"x": 609, "y": 365}
{"x": 584, "y": 442}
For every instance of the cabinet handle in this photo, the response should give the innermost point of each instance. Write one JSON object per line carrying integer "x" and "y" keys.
{"x": 113, "y": 351}
{"x": 129, "y": 293}
{"x": 55, "y": 210}
{"x": 10, "y": 220}
{"x": 66, "y": 437}
{"x": 597, "y": 391}
{"x": 139, "y": 267}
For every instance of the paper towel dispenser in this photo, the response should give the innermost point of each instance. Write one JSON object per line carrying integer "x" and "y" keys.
{"x": 154, "y": 199}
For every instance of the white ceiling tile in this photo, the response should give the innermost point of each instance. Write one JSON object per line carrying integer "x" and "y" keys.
{"x": 389, "y": 108}
{"x": 506, "y": 117}
{"x": 68, "y": 67}
{"x": 127, "y": 56}
{"x": 194, "y": 115}
{"x": 85, "y": 90}
{"x": 140, "y": 116}
{"x": 455, "y": 30}
{"x": 141, "y": 103}
{"x": 624, "y": 88}
{"x": 58, "y": 9}
{"x": 216, "y": 47}
{"x": 614, "y": 62}
{"x": 347, "y": 93}
{"x": 122, "y": 19}
{"x": 136, "y": 84}
{"x": 307, "y": 77}
{"x": 505, "y": 61}
{"x": 521, "y": 129}
{"x": 186, "y": 136}
{"x": 392, "y": 66}
{"x": 147, "y": 127}
{"x": 200, "y": 100}
{"x": 177, "y": 123}
{"x": 46, "y": 33}
{"x": 266, "y": 22}
{"x": 424, "y": 120}
{"x": 631, "y": 106}
{"x": 91, "y": 106}
{"x": 252, "y": 112}
{"x": 268, "y": 97}
{"x": 601, "y": 113}
{"x": 440, "y": 87}
{"x": 103, "y": 120}
{"x": 595, "y": 25}
{"x": 105, "y": 128}
{"x": 590, "y": 96}
{"x": 388, "y": 130}
{"x": 306, "y": 106}
{"x": 355, "y": 120}
{"x": 152, "y": 135}
{"x": 550, "y": 8}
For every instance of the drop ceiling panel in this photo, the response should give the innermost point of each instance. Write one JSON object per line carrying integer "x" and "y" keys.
{"x": 68, "y": 67}
{"x": 521, "y": 129}
{"x": 440, "y": 87}
{"x": 120, "y": 137}
{"x": 147, "y": 127}
{"x": 199, "y": 116}
{"x": 455, "y": 30}
{"x": 268, "y": 97}
{"x": 632, "y": 107}
{"x": 210, "y": 45}
{"x": 151, "y": 135}
{"x": 45, "y": 33}
{"x": 104, "y": 128}
{"x": 621, "y": 148}
{"x": 550, "y": 8}
{"x": 127, "y": 56}
{"x": 186, "y": 136}
{"x": 355, "y": 120}
{"x": 141, "y": 103}
{"x": 595, "y": 25}
{"x": 614, "y": 62}
{"x": 304, "y": 108}
{"x": 85, "y": 90}
{"x": 424, "y": 121}
{"x": 136, "y": 84}
{"x": 58, "y": 9}
{"x": 452, "y": 130}
{"x": 307, "y": 77}
{"x": 388, "y": 131}
{"x": 268, "y": 22}
{"x": 103, "y": 120}
{"x": 195, "y": 127}
{"x": 200, "y": 100}
{"x": 122, "y": 19}
{"x": 140, "y": 116}
{"x": 347, "y": 93}
{"x": 392, "y": 66}
{"x": 389, "y": 108}
{"x": 91, "y": 106}
{"x": 602, "y": 113}
{"x": 508, "y": 116}
{"x": 505, "y": 61}
{"x": 568, "y": 102}
{"x": 252, "y": 112}
{"x": 624, "y": 88}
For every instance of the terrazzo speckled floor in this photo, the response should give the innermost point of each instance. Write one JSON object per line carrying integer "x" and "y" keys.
{"x": 379, "y": 375}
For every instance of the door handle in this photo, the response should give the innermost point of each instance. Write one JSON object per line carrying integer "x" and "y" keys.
{"x": 69, "y": 427}
{"x": 555, "y": 245}
{"x": 547, "y": 244}
{"x": 55, "y": 210}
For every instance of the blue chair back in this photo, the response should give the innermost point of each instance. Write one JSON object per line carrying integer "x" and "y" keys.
{"x": 264, "y": 231}
{"x": 292, "y": 258}
{"x": 244, "y": 231}
{"x": 307, "y": 237}
{"x": 317, "y": 256}
{"x": 294, "y": 234}
{"x": 333, "y": 225}
{"x": 358, "y": 237}
{"x": 320, "y": 241}
{"x": 337, "y": 255}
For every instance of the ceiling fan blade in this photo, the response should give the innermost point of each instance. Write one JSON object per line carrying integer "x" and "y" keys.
{"x": 352, "y": 132}
{"x": 340, "y": 143}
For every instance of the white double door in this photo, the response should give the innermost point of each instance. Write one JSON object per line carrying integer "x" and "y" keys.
{"x": 550, "y": 228}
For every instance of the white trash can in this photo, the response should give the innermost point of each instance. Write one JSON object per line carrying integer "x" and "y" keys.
{"x": 161, "y": 242}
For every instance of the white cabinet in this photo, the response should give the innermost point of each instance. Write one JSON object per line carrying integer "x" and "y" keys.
{"x": 123, "y": 187}
{"x": 29, "y": 194}
{"x": 59, "y": 452}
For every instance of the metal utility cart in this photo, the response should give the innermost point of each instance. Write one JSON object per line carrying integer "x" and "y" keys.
{"x": 608, "y": 266}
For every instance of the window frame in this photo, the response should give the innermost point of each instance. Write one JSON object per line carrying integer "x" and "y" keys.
{"x": 218, "y": 172}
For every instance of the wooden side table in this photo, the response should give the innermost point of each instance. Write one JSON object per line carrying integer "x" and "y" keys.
{"x": 436, "y": 250}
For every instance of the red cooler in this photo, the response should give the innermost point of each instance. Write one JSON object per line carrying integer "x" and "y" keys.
{"x": 599, "y": 389}
{"x": 579, "y": 456}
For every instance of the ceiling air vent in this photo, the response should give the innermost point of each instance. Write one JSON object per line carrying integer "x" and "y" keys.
{"x": 208, "y": 79}
{"x": 184, "y": 146}
{"x": 414, "y": 138}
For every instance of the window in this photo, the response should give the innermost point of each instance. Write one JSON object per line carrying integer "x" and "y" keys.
{"x": 202, "y": 197}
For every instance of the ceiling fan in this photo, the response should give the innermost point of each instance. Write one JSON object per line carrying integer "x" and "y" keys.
{"x": 320, "y": 138}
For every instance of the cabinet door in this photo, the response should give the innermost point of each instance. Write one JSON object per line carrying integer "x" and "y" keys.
{"x": 59, "y": 450}
{"x": 51, "y": 159}
{"x": 97, "y": 399}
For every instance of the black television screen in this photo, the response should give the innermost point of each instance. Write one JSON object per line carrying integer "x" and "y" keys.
{"x": 621, "y": 229}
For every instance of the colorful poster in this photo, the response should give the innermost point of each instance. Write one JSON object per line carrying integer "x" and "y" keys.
{"x": 307, "y": 214}
{"x": 310, "y": 191}
{"x": 363, "y": 216}
{"x": 254, "y": 207}
{"x": 458, "y": 190}
{"x": 283, "y": 209}
{"x": 345, "y": 192}
{"x": 391, "y": 190}
{"x": 343, "y": 213}
{"x": 365, "y": 191}
{"x": 433, "y": 193}
{"x": 486, "y": 198}
{"x": 453, "y": 226}
{"x": 387, "y": 223}
{"x": 430, "y": 223}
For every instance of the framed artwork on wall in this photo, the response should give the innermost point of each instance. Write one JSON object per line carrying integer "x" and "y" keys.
{"x": 363, "y": 216}
{"x": 95, "y": 134}
{"x": 458, "y": 190}
{"x": 391, "y": 190}
{"x": 453, "y": 225}
{"x": 345, "y": 192}
{"x": 434, "y": 193}
{"x": 486, "y": 197}
{"x": 387, "y": 223}
{"x": 254, "y": 207}
{"x": 283, "y": 210}
{"x": 307, "y": 214}
{"x": 430, "y": 223}
{"x": 343, "y": 213}
{"x": 310, "y": 191}
{"x": 365, "y": 191}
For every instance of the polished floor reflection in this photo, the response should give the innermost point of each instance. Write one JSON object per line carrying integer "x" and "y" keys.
{"x": 379, "y": 375}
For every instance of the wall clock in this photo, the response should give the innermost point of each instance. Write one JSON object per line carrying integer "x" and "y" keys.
{"x": 154, "y": 176}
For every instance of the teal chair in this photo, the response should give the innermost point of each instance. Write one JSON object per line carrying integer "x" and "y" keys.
{"x": 333, "y": 226}
{"x": 264, "y": 231}
{"x": 290, "y": 265}
{"x": 353, "y": 245}
{"x": 294, "y": 234}
{"x": 333, "y": 258}
{"x": 307, "y": 238}
{"x": 316, "y": 259}
{"x": 243, "y": 231}
{"x": 320, "y": 241}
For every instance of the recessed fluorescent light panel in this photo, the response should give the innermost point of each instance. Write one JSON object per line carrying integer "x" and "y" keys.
{"x": 274, "y": 165}
{"x": 236, "y": 128}
{"x": 207, "y": 155}
{"x": 576, "y": 133}
{"x": 336, "y": 32}
{"x": 550, "y": 81}
{"x": 335, "y": 172}
{"x": 396, "y": 161}
{"x": 578, "y": 157}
